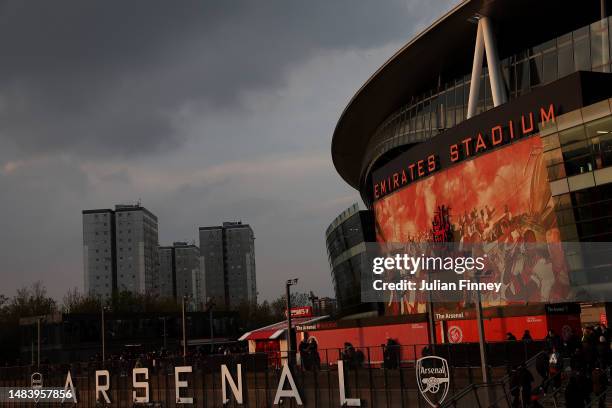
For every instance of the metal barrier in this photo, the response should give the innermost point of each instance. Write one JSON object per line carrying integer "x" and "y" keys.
{"x": 379, "y": 376}
{"x": 495, "y": 394}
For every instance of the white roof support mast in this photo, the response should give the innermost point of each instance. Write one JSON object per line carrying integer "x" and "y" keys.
{"x": 485, "y": 42}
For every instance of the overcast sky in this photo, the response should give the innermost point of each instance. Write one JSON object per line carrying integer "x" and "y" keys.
{"x": 206, "y": 111}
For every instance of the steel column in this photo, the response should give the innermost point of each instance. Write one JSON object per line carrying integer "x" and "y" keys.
{"x": 476, "y": 73}
{"x": 498, "y": 89}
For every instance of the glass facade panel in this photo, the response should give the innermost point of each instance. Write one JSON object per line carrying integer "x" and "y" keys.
{"x": 449, "y": 116}
{"x": 565, "y": 217}
{"x": 522, "y": 77}
{"x": 556, "y": 172}
{"x": 584, "y": 148}
{"x": 588, "y": 48}
{"x": 599, "y": 127}
{"x": 536, "y": 70}
{"x": 600, "y": 46}
{"x": 508, "y": 79}
{"x": 602, "y": 149}
{"x": 563, "y": 201}
{"x": 553, "y": 157}
{"x": 549, "y": 67}
{"x": 550, "y": 142}
{"x": 573, "y": 135}
{"x": 346, "y": 256}
{"x": 565, "y": 56}
{"x": 599, "y": 133}
{"x": 582, "y": 50}
{"x": 584, "y": 215}
{"x": 435, "y": 113}
{"x": 576, "y": 151}
{"x": 466, "y": 96}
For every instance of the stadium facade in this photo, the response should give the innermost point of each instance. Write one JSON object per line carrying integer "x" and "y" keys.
{"x": 492, "y": 125}
{"x": 346, "y": 239}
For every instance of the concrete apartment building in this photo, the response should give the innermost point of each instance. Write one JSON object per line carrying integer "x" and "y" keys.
{"x": 99, "y": 264}
{"x": 180, "y": 274}
{"x": 228, "y": 259}
{"x": 120, "y": 250}
{"x": 167, "y": 272}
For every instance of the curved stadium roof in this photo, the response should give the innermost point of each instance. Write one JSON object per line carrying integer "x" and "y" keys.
{"x": 443, "y": 52}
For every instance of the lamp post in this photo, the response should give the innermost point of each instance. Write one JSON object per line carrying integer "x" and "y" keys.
{"x": 103, "y": 336}
{"x": 481, "y": 335}
{"x": 290, "y": 282}
{"x": 209, "y": 305}
{"x": 164, "y": 332}
{"x": 184, "y": 329}
{"x": 38, "y": 319}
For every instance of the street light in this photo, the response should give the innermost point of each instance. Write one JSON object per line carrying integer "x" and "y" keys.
{"x": 165, "y": 334}
{"x": 209, "y": 305}
{"x": 481, "y": 334}
{"x": 184, "y": 329}
{"x": 103, "y": 334}
{"x": 290, "y": 282}
{"x": 38, "y": 319}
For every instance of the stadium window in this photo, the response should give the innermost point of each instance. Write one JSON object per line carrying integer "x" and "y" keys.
{"x": 599, "y": 133}
{"x": 556, "y": 172}
{"x": 522, "y": 77}
{"x": 535, "y": 70}
{"x": 600, "y": 46}
{"x": 550, "y": 142}
{"x": 549, "y": 67}
{"x": 582, "y": 52}
{"x": 573, "y": 135}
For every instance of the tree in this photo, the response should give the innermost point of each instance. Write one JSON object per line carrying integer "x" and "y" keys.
{"x": 279, "y": 305}
{"x": 121, "y": 302}
{"x": 75, "y": 302}
{"x": 30, "y": 301}
{"x": 253, "y": 315}
{"x": 126, "y": 302}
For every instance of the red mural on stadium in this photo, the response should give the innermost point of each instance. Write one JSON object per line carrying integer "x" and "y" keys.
{"x": 501, "y": 196}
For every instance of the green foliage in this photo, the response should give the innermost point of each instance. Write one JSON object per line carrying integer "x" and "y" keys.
{"x": 122, "y": 302}
{"x": 254, "y": 315}
{"x": 279, "y": 305}
{"x": 126, "y": 302}
{"x": 28, "y": 302}
{"x": 75, "y": 302}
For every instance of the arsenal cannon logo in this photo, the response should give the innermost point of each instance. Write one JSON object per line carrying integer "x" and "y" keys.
{"x": 433, "y": 379}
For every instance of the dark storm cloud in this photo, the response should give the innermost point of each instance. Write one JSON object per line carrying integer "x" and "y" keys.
{"x": 208, "y": 111}
{"x": 103, "y": 78}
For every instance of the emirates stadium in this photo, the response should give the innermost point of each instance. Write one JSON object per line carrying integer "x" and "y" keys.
{"x": 496, "y": 120}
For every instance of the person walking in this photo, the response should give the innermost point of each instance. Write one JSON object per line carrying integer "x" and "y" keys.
{"x": 600, "y": 383}
{"x": 304, "y": 353}
{"x": 515, "y": 388}
{"x": 543, "y": 369}
{"x": 313, "y": 354}
{"x": 573, "y": 394}
{"x": 554, "y": 368}
{"x": 526, "y": 380}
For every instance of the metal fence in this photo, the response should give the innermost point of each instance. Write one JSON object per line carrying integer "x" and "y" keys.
{"x": 379, "y": 376}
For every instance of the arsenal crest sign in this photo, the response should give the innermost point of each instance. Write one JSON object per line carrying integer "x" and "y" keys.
{"x": 433, "y": 379}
